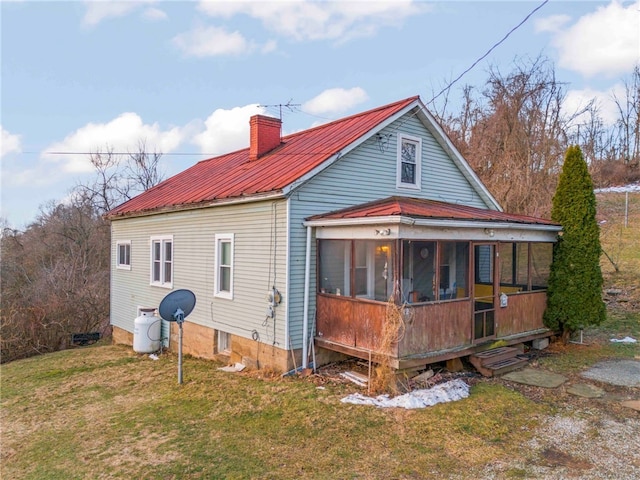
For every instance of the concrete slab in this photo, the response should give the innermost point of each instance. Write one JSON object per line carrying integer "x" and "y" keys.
{"x": 537, "y": 378}
{"x": 624, "y": 373}
{"x": 585, "y": 390}
{"x": 634, "y": 404}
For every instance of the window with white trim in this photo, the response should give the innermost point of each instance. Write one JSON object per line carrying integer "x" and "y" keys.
{"x": 162, "y": 261}
{"x": 224, "y": 265}
{"x": 224, "y": 342}
{"x": 409, "y": 162}
{"x": 123, "y": 254}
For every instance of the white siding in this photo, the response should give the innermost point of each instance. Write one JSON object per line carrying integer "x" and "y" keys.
{"x": 259, "y": 262}
{"x": 366, "y": 174}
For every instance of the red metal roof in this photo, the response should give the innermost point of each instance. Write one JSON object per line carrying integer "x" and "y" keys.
{"x": 422, "y": 208}
{"x": 233, "y": 175}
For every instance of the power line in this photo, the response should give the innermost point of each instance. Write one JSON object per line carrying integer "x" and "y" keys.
{"x": 489, "y": 51}
{"x": 122, "y": 153}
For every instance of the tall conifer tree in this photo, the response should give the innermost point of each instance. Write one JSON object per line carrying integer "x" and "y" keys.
{"x": 575, "y": 283}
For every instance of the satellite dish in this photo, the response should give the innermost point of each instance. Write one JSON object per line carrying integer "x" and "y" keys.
{"x": 175, "y": 307}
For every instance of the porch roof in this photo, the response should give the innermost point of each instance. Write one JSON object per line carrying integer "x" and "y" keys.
{"x": 417, "y": 208}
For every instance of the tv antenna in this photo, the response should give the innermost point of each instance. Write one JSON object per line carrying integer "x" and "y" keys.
{"x": 175, "y": 307}
{"x": 288, "y": 105}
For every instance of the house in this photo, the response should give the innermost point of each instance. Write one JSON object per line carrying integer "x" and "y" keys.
{"x": 307, "y": 240}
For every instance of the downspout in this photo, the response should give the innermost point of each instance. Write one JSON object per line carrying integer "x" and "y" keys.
{"x": 305, "y": 314}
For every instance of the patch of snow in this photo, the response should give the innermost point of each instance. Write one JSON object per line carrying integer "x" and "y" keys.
{"x": 444, "y": 392}
{"x": 238, "y": 367}
{"x": 631, "y": 188}
{"x": 624, "y": 340}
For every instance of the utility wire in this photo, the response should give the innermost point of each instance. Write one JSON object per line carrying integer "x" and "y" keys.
{"x": 489, "y": 51}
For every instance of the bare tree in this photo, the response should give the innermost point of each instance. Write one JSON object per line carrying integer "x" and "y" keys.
{"x": 55, "y": 278}
{"x": 514, "y": 134}
{"x": 119, "y": 177}
{"x": 55, "y": 274}
{"x": 628, "y": 124}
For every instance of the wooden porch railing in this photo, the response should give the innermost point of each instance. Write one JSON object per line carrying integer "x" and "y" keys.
{"x": 429, "y": 327}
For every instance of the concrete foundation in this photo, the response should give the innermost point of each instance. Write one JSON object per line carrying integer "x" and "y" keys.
{"x": 540, "y": 343}
{"x": 201, "y": 342}
{"x": 121, "y": 337}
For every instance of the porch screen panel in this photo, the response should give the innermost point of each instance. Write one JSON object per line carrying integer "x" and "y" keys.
{"x": 335, "y": 264}
{"x": 541, "y": 256}
{"x": 514, "y": 266}
{"x": 373, "y": 269}
{"x": 418, "y": 271}
{"x": 383, "y": 271}
{"x": 453, "y": 269}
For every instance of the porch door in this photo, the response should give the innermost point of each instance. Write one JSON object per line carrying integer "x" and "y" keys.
{"x": 484, "y": 292}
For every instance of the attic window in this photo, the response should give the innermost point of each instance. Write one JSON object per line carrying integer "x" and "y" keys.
{"x": 409, "y": 162}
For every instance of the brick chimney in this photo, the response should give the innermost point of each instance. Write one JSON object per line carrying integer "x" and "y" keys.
{"x": 265, "y": 135}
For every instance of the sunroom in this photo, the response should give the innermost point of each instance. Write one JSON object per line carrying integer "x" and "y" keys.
{"x": 460, "y": 278}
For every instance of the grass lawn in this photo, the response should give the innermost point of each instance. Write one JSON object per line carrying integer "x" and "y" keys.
{"x": 107, "y": 412}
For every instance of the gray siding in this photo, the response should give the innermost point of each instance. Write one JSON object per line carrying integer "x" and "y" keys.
{"x": 363, "y": 175}
{"x": 260, "y": 248}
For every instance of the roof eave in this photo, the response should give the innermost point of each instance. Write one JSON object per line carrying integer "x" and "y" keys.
{"x": 196, "y": 206}
{"x": 430, "y": 222}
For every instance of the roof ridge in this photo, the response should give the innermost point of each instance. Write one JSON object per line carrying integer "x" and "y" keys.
{"x": 355, "y": 115}
{"x": 324, "y": 125}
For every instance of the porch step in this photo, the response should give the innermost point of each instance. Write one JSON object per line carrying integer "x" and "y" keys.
{"x": 497, "y": 361}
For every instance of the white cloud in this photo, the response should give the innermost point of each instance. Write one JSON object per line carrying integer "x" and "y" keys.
{"x": 154, "y": 14}
{"x": 577, "y": 100}
{"x": 313, "y": 20}
{"x": 227, "y": 130}
{"x": 212, "y": 41}
{"x": 99, "y": 10}
{"x": 551, "y": 24}
{"x": 10, "y": 143}
{"x": 121, "y": 134}
{"x": 335, "y": 101}
{"x": 606, "y": 41}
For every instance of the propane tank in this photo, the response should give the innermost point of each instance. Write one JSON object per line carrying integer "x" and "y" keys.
{"x": 147, "y": 331}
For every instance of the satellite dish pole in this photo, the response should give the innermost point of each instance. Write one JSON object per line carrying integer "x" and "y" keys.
{"x": 174, "y": 308}
{"x": 179, "y": 316}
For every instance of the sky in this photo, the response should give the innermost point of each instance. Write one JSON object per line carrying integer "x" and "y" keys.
{"x": 184, "y": 77}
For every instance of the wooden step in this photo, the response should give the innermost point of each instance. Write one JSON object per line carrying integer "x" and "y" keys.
{"x": 506, "y": 365}
{"x": 497, "y": 361}
{"x": 502, "y": 366}
{"x": 492, "y": 356}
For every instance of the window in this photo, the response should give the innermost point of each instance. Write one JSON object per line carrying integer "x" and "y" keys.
{"x": 335, "y": 263}
{"x": 524, "y": 266}
{"x": 541, "y": 258}
{"x": 123, "y": 254}
{"x": 373, "y": 269}
{"x": 514, "y": 267}
{"x": 453, "y": 270}
{"x": 409, "y": 160}
{"x": 419, "y": 271}
{"x": 162, "y": 261}
{"x": 224, "y": 266}
{"x": 370, "y": 273}
{"x": 484, "y": 264}
{"x": 224, "y": 342}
